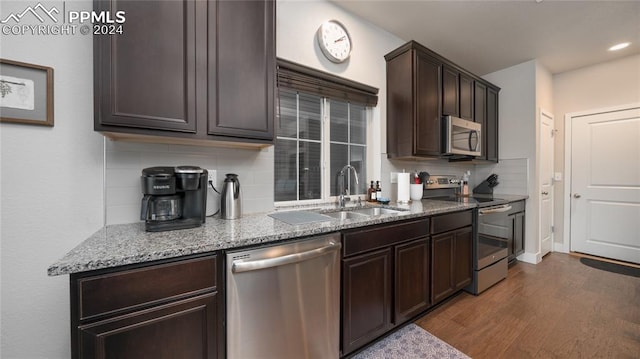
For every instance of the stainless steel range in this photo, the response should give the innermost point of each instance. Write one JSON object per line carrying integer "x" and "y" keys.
{"x": 491, "y": 240}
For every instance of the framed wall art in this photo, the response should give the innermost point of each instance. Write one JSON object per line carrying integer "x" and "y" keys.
{"x": 26, "y": 93}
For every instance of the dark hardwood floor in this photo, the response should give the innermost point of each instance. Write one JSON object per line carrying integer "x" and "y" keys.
{"x": 559, "y": 308}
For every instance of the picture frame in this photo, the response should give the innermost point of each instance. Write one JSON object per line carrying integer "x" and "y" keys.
{"x": 26, "y": 93}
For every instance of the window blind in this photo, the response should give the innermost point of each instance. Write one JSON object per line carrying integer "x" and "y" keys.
{"x": 308, "y": 80}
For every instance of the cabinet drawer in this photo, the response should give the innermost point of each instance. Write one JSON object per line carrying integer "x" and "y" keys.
{"x": 362, "y": 240}
{"x": 135, "y": 288}
{"x": 451, "y": 221}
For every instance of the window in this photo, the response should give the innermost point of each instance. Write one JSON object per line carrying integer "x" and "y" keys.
{"x": 321, "y": 126}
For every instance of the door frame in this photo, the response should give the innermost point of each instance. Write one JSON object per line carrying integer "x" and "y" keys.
{"x": 549, "y": 115}
{"x": 568, "y": 118}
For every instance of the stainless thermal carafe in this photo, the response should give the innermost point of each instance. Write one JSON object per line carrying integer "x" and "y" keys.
{"x": 230, "y": 199}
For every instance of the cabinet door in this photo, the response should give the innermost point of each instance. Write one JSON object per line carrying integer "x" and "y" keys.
{"x": 428, "y": 101}
{"x": 466, "y": 97}
{"x": 366, "y": 299}
{"x": 184, "y": 329}
{"x": 463, "y": 258}
{"x": 480, "y": 113}
{"x": 241, "y": 68}
{"x": 146, "y": 77}
{"x": 450, "y": 92}
{"x": 517, "y": 235}
{"x": 412, "y": 282}
{"x": 491, "y": 131}
{"x": 442, "y": 266}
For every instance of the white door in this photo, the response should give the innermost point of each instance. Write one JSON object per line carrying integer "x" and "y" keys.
{"x": 545, "y": 180}
{"x": 605, "y": 184}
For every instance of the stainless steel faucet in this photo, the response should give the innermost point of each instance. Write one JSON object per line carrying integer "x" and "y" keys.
{"x": 341, "y": 186}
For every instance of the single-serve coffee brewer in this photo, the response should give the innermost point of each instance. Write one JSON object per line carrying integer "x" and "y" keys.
{"x": 174, "y": 197}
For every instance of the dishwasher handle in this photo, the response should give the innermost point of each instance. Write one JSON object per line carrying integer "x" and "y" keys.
{"x": 240, "y": 266}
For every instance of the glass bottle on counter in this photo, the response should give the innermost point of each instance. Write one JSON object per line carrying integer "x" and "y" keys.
{"x": 371, "y": 193}
{"x": 378, "y": 190}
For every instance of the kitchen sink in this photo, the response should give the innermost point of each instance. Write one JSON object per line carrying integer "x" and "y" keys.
{"x": 305, "y": 217}
{"x": 360, "y": 213}
{"x": 342, "y": 215}
{"x": 376, "y": 211}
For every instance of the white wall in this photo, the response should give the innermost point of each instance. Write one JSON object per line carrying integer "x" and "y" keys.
{"x": 51, "y": 187}
{"x": 604, "y": 85}
{"x": 517, "y": 136}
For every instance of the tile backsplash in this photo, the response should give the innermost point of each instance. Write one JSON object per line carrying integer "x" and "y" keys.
{"x": 512, "y": 174}
{"x": 125, "y": 161}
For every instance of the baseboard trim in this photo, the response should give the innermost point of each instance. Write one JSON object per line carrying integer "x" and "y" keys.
{"x": 533, "y": 258}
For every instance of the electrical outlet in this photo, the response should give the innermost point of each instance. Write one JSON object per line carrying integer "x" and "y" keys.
{"x": 212, "y": 176}
{"x": 394, "y": 177}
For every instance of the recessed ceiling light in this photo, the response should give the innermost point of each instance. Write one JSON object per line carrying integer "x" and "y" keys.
{"x": 619, "y": 46}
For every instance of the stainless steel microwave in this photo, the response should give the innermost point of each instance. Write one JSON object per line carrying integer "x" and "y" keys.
{"x": 461, "y": 137}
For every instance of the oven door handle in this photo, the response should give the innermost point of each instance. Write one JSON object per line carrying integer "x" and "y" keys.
{"x": 505, "y": 208}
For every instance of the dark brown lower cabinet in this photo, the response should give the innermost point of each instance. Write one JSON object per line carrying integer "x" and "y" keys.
{"x": 385, "y": 279}
{"x": 441, "y": 274}
{"x": 185, "y": 329}
{"x": 516, "y": 243}
{"x": 412, "y": 281}
{"x": 366, "y": 302}
{"x": 451, "y": 255}
{"x": 170, "y": 309}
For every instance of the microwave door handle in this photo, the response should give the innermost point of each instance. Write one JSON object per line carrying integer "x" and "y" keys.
{"x": 473, "y": 134}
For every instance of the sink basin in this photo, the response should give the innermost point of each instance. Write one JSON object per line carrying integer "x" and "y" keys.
{"x": 343, "y": 215}
{"x": 360, "y": 213}
{"x": 376, "y": 211}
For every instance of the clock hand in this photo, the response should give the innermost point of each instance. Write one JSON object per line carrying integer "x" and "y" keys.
{"x": 340, "y": 39}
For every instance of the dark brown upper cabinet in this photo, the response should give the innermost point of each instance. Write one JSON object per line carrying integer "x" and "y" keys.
{"x": 457, "y": 93}
{"x": 486, "y": 113}
{"x": 414, "y": 99}
{"x": 450, "y": 91}
{"x": 491, "y": 130}
{"x": 187, "y": 71}
{"x": 466, "y": 97}
{"x": 423, "y": 86}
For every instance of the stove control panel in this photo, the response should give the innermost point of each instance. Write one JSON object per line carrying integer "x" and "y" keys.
{"x": 442, "y": 181}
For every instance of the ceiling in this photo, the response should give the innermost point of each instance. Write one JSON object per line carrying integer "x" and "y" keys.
{"x": 486, "y": 36}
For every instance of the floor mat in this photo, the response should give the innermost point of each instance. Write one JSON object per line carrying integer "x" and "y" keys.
{"x": 411, "y": 342}
{"x": 611, "y": 267}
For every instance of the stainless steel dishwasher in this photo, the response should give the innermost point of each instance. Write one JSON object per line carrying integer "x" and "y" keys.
{"x": 283, "y": 301}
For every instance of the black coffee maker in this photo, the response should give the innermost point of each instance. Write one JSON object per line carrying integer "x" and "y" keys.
{"x": 174, "y": 197}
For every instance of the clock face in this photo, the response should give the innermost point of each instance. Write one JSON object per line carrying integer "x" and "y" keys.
{"x": 334, "y": 41}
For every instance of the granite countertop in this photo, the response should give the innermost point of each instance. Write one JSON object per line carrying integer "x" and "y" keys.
{"x": 123, "y": 244}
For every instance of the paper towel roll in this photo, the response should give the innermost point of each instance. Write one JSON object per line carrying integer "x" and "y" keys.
{"x": 403, "y": 187}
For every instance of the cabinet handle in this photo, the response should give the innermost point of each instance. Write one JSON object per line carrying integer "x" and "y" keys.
{"x": 545, "y": 193}
{"x": 576, "y": 195}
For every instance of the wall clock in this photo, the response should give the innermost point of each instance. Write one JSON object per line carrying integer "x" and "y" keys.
{"x": 334, "y": 41}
